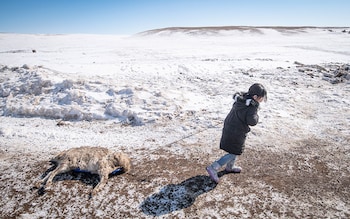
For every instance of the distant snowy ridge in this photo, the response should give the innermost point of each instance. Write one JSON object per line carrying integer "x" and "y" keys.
{"x": 223, "y": 30}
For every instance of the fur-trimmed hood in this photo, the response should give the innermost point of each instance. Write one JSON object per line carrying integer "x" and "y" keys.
{"x": 244, "y": 100}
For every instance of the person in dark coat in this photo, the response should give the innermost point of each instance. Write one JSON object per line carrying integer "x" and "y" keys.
{"x": 244, "y": 113}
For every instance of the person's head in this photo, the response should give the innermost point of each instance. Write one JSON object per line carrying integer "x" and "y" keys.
{"x": 258, "y": 92}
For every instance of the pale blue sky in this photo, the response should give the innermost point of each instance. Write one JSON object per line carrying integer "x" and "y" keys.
{"x": 133, "y": 16}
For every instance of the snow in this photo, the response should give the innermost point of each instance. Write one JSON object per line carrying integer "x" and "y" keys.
{"x": 164, "y": 95}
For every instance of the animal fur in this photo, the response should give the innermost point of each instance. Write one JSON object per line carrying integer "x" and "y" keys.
{"x": 96, "y": 160}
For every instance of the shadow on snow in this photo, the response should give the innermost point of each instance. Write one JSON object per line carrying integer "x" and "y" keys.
{"x": 175, "y": 197}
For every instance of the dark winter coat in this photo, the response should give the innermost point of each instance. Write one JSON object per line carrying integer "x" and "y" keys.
{"x": 236, "y": 126}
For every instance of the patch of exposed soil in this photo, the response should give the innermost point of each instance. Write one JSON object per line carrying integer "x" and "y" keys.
{"x": 302, "y": 182}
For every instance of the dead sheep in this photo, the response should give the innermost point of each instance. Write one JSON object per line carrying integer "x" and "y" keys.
{"x": 96, "y": 160}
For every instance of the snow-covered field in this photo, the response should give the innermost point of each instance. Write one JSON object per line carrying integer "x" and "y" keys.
{"x": 161, "y": 97}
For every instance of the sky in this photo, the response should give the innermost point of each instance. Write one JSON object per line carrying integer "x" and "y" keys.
{"x": 134, "y": 16}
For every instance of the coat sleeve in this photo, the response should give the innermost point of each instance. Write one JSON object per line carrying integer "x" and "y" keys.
{"x": 252, "y": 117}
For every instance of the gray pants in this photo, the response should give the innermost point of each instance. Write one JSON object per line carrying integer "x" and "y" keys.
{"x": 228, "y": 159}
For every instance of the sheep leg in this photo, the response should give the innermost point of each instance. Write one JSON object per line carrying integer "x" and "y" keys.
{"x": 62, "y": 168}
{"x": 43, "y": 180}
{"x": 102, "y": 183}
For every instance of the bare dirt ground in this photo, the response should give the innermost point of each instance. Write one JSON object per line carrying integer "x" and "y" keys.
{"x": 310, "y": 180}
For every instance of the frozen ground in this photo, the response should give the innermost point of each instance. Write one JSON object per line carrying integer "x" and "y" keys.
{"x": 161, "y": 96}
